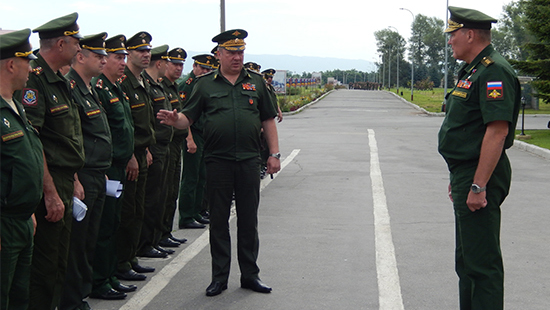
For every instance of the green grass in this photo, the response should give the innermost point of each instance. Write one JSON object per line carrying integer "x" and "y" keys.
{"x": 538, "y": 137}
{"x": 431, "y": 100}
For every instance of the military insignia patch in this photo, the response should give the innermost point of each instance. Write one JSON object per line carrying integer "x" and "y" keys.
{"x": 495, "y": 90}
{"x": 460, "y": 94}
{"x": 99, "y": 84}
{"x": 54, "y": 98}
{"x": 60, "y": 108}
{"x": 37, "y": 70}
{"x": 29, "y": 97}
{"x": 73, "y": 84}
{"x": 182, "y": 95}
{"x": 7, "y": 123}
{"x": 94, "y": 112}
{"x": 12, "y": 135}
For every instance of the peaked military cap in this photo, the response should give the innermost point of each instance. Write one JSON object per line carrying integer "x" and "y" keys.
{"x": 214, "y": 51}
{"x": 231, "y": 40}
{"x": 59, "y": 27}
{"x": 16, "y": 44}
{"x": 94, "y": 43}
{"x": 206, "y": 61}
{"x": 253, "y": 66}
{"x": 468, "y": 18}
{"x": 116, "y": 45}
{"x": 177, "y": 55}
{"x": 140, "y": 41}
{"x": 159, "y": 52}
{"x": 268, "y": 73}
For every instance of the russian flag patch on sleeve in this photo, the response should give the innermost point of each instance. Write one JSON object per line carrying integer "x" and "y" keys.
{"x": 495, "y": 90}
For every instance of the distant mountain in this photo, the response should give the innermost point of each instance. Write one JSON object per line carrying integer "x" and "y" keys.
{"x": 299, "y": 64}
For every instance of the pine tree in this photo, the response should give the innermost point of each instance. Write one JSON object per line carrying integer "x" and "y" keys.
{"x": 538, "y": 61}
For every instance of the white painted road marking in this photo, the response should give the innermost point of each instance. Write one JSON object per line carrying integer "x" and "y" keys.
{"x": 165, "y": 275}
{"x": 389, "y": 288}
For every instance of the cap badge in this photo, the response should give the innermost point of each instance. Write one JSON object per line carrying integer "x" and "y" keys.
{"x": 236, "y": 33}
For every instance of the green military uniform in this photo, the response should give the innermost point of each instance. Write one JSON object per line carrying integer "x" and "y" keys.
{"x": 487, "y": 91}
{"x": 116, "y": 105}
{"x": 232, "y": 115}
{"x": 22, "y": 166}
{"x": 98, "y": 154}
{"x": 144, "y": 136}
{"x": 52, "y": 111}
{"x": 176, "y": 55}
{"x": 265, "y": 150}
{"x": 193, "y": 182}
{"x": 154, "y": 198}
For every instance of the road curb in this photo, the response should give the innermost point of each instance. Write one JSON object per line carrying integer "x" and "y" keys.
{"x": 309, "y": 104}
{"x": 520, "y": 145}
{"x": 533, "y": 149}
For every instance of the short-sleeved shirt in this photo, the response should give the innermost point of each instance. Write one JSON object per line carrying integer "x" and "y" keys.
{"x": 22, "y": 163}
{"x": 488, "y": 90}
{"x": 116, "y": 105}
{"x": 159, "y": 99}
{"x": 95, "y": 127}
{"x": 232, "y": 114}
{"x": 185, "y": 90}
{"x": 176, "y": 102}
{"x": 273, "y": 95}
{"x": 141, "y": 107}
{"x": 50, "y": 108}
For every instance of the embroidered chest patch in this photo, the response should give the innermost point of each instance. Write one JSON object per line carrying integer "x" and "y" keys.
{"x": 495, "y": 90}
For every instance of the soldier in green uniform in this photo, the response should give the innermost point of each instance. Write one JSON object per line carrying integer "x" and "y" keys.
{"x": 268, "y": 76}
{"x": 52, "y": 111}
{"x": 156, "y": 179}
{"x": 193, "y": 181}
{"x": 482, "y": 112}
{"x": 22, "y": 166}
{"x": 235, "y": 105}
{"x": 115, "y": 103}
{"x": 135, "y": 87}
{"x": 173, "y": 72}
{"x": 87, "y": 64}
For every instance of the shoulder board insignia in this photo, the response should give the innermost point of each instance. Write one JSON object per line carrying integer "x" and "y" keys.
{"x": 189, "y": 80}
{"x": 207, "y": 73}
{"x": 122, "y": 78}
{"x": 73, "y": 84}
{"x": 99, "y": 84}
{"x": 37, "y": 70}
{"x": 487, "y": 61}
{"x": 160, "y": 79}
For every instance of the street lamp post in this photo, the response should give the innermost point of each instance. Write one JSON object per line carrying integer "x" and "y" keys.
{"x": 412, "y": 61}
{"x": 397, "y": 56}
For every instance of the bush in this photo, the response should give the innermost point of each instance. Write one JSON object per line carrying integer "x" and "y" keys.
{"x": 425, "y": 84}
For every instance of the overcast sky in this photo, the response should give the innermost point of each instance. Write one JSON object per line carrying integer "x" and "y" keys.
{"x": 336, "y": 28}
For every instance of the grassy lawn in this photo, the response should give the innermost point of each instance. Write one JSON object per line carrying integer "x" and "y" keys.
{"x": 538, "y": 137}
{"x": 431, "y": 100}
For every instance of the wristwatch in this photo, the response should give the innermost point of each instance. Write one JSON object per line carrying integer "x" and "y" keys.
{"x": 476, "y": 189}
{"x": 276, "y": 155}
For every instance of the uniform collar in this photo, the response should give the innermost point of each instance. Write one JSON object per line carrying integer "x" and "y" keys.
{"x": 244, "y": 74}
{"x": 74, "y": 76}
{"x": 485, "y": 52}
{"x": 51, "y": 76}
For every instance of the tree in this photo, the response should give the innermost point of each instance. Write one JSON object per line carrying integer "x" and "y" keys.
{"x": 511, "y": 33}
{"x": 391, "y": 47}
{"x": 538, "y": 50}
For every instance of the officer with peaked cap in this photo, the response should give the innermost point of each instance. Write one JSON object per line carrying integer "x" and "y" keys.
{"x": 268, "y": 76}
{"x": 135, "y": 87}
{"x": 482, "y": 111}
{"x": 173, "y": 72}
{"x": 22, "y": 172}
{"x": 253, "y": 66}
{"x": 88, "y": 63}
{"x": 156, "y": 178}
{"x": 193, "y": 181}
{"x": 232, "y": 155}
{"x": 50, "y": 108}
{"x": 116, "y": 106}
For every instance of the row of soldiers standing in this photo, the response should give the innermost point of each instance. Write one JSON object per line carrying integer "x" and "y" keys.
{"x": 96, "y": 122}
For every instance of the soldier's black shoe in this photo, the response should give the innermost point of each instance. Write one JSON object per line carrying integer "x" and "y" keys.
{"x": 180, "y": 240}
{"x": 125, "y": 288}
{"x": 130, "y": 275}
{"x": 142, "y": 269}
{"x": 153, "y": 253}
{"x": 215, "y": 288}
{"x": 109, "y": 295}
{"x": 163, "y": 250}
{"x": 256, "y": 285}
{"x": 169, "y": 243}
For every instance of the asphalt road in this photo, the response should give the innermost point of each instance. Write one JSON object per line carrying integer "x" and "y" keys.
{"x": 359, "y": 218}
